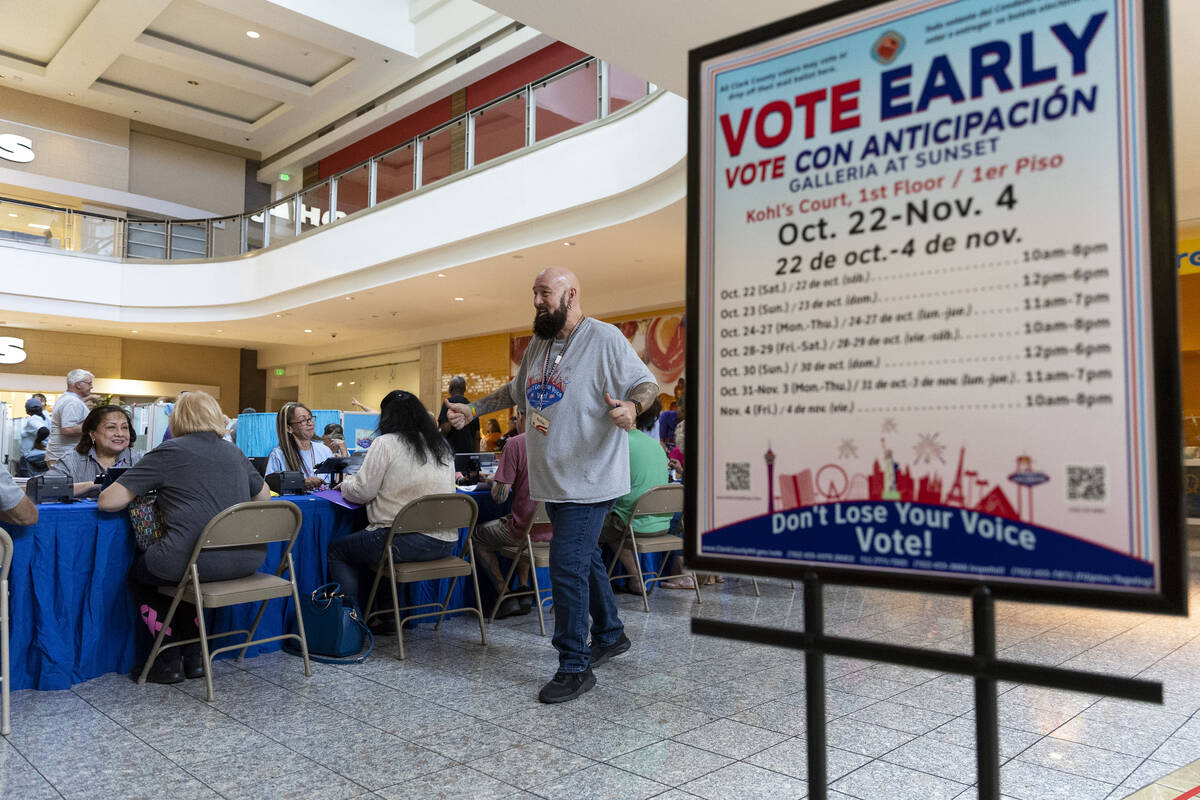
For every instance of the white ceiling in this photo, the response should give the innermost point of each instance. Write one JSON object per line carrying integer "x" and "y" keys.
{"x": 188, "y": 65}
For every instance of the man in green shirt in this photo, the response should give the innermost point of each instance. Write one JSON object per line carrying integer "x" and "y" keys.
{"x": 647, "y": 469}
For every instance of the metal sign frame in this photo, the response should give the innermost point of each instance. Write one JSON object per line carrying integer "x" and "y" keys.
{"x": 1171, "y": 594}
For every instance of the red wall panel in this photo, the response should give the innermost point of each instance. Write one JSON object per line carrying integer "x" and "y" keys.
{"x": 514, "y": 76}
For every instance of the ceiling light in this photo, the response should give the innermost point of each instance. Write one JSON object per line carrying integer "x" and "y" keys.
{"x": 277, "y": 316}
{"x": 308, "y": 330}
{"x": 220, "y": 331}
{"x": 133, "y": 331}
{"x": 351, "y": 383}
{"x": 12, "y": 215}
{"x": 568, "y": 244}
{"x": 440, "y": 274}
{"x": 339, "y": 383}
{"x": 458, "y": 299}
{"x": 253, "y": 34}
{"x": 350, "y": 297}
{"x": 39, "y": 227}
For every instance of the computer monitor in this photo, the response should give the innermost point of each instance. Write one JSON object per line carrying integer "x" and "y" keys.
{"x": 475, "y": 462}
{"x": 260, "y": 464}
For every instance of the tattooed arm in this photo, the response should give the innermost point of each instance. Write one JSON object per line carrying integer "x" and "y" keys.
{"x": 459, "y": 414}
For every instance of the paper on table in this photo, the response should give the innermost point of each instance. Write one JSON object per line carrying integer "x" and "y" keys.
{"x": 335, "y": 496}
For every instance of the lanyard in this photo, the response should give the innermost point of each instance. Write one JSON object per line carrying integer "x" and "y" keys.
{"x": 548, "y": 370}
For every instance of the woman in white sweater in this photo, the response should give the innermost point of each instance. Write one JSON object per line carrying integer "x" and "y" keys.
{"x": 407, "y": 460}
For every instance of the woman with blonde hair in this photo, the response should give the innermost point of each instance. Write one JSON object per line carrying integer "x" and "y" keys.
{"x": 197, "y": 475}
{"x": 300, "y": 449}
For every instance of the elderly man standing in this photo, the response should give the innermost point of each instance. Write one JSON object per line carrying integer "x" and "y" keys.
{"x": 66, "y": 423}
{"x": 582, "y": 386}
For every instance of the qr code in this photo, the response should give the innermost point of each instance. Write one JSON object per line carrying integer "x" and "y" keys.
{"x": 737, "y": 476}
{"x": 1087, "y": 484}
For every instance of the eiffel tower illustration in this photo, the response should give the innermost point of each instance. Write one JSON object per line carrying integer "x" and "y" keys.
{"x": 955, "y": 496}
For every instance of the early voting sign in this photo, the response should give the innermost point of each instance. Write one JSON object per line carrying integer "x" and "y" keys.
{"x": 932, "y": 300}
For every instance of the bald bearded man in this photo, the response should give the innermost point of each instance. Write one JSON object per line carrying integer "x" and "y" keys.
{"x": 582, "y": 386}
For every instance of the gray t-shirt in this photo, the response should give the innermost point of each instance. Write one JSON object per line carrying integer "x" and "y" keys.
{"x": 197, "y": 477}
{"x": 69, "y": 411}
{"x": 10, "y": 493}
{"x": 584, "y": 457}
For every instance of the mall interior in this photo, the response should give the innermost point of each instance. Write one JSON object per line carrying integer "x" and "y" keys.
{"x": 283, "y": 201}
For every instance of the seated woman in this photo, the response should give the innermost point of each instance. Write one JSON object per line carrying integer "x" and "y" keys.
{"x": 491, "y": 438}
{"x": 107, "y": 438}
{"x": 197, "y": 475}
{"x": 299, "y": 449}
{"x": 408, "y": 459}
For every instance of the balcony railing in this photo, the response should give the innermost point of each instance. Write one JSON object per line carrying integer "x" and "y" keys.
{"x": 566, "y": 99}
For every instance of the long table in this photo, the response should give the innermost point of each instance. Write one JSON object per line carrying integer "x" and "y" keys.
{"x": 73, "y": 616}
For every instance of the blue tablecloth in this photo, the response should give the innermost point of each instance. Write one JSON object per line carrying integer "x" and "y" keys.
{"x": 72, "y": 613}
{"x": 73, "y": 616}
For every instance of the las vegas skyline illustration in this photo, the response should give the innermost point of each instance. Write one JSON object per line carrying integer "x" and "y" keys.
{"x": 888, "y": 481}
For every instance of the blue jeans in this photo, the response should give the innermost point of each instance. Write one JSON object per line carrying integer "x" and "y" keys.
{"x": 580, "y": 583}
{"x": 356, "y": 554}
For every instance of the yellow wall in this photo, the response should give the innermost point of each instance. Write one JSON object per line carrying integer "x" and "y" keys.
{"x": 57, "y": 353}
{"x": 485, "y": 362}
{"x": 186, "y": 363}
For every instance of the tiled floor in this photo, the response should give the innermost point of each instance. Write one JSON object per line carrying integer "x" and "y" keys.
{"x": 676, "y": 717}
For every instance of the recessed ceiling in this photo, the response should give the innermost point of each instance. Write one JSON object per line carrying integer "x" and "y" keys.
{"x": 127, "y": 57}
{"x": 181, "y": 88}
{"x": 37, "y": 37}
{"x": 208, "y": 30}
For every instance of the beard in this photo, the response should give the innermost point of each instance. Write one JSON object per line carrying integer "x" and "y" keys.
{"x": 547, "y": 324}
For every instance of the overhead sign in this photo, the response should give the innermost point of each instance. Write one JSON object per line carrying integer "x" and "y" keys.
{"x": 936, "y": 341}
{"x": 16, "y": 148}
{"x": 12, "y": 350}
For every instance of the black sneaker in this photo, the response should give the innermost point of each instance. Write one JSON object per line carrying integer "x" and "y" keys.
{"x": 601, "y": 654}
{"x": 193, "y": 661}
{"x": 167, "y": 668}
{"x": 566, "y": 686}
{"x": 510, "y": 608}
{"x": 526, "y": 600}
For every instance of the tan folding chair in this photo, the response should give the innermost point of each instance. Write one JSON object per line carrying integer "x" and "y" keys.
{"x": 666, "y": 499}
{"x": 252, "y": 523}
{"x": 6, "y": 554}
{"x": 538, "y": 555}
{"x": 429, "y": 513}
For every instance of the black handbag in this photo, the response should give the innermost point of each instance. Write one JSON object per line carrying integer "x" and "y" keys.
{"x": 332, "y": 628}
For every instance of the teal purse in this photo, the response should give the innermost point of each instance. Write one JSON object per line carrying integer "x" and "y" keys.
{"x": 332, "y": 628}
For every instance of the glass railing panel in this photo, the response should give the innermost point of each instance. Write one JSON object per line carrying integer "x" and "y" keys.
{"x": 226, "y": 237}
{"x": 189, "y": 240}
{"x": 314, "y": 211}
{"x": 565, "y": 102}
{"x": 499, "y": 128}
{"x": 97, "y": 236}
{"x": 146, "y": 239}
{"x": 283, "y": 227}
{"x": 394, "y": 174}
{"x": 624, "y": 88}
{"x": 254, "y": 231}
{"x": 33, "y": 224}
{"x": 443, "y": 152}
{"x": 352, "y": 190}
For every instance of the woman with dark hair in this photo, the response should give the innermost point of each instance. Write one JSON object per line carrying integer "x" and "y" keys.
{"x": 299, "y": 449}
{"x": 106, "y": 441}
{"x": 408, "y": 459}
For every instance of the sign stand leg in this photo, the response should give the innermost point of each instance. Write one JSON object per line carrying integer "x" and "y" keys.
{"x": 814, "y": 688}
{"x": 987, "y": 730}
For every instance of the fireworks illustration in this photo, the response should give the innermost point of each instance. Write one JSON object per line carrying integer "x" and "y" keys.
{"x": 928, "y": 448}
{"x": 847, "y": 449}
{"x": 889, "y": 425}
